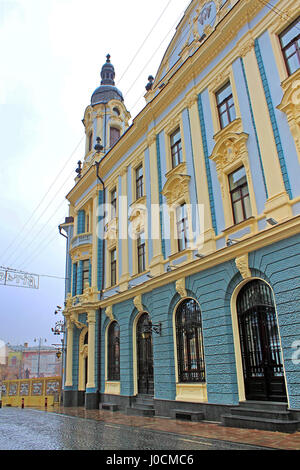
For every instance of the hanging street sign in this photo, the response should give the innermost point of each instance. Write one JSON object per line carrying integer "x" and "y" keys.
{"x": 15, "y": 278}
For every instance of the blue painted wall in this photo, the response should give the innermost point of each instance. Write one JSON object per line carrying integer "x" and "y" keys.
{"x": 278, "y": 264}
{"x": 284, "y": 140}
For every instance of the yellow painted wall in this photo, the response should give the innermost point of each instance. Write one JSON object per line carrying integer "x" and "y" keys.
{"x": 35, "y": 394}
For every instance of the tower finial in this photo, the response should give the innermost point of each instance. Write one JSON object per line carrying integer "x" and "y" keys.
{"x": 108, "y": 58}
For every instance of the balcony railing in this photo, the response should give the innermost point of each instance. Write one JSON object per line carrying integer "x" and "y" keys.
{"x": 82, "y": 239}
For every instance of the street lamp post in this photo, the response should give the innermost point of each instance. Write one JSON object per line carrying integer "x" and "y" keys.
{"x": 39, "y": 353}
{"x": 58, "y": 330}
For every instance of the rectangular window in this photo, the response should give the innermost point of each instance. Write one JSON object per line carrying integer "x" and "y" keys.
{"x": 85, "y": 272}
{"x": 182, "y": 227}
{"x": 139, "y": 183}
{"x": 290, "y": 45}
{"x": 113, "y": 201}
{"x": 90, "y": 141}
{"x": 240, "y": 199}
{"x": 225, "y": 105}
{"x": 176, "y": 148}
{"x": 113, "y": 267}
{"x": 74, "y": 279}
{"x": 114, "y": 135}
{"x": 141, "y": 253}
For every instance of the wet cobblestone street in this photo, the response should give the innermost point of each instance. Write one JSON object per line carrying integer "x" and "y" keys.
{"x": 78, "y": 429}
{"x": 31, "y": 429}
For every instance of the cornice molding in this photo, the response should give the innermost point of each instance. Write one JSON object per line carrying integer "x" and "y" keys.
{"x": 252, "y": 243}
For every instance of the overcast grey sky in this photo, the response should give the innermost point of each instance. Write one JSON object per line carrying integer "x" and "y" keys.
{"x": 51, "y": 54}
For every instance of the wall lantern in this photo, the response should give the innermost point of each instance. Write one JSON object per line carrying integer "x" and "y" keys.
{"x": 157, "y": 328}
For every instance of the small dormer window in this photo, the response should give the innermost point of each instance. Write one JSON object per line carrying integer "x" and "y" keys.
{"x": 116, "y": 111}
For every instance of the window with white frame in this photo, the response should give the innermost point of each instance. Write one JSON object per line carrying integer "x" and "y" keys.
{"x": 182, "y": 227}
{"x": 225, "y": 105}
{"x": 176, "y": 148}
{"x": 290, "y": 46}
{"x": 239, "y": 193}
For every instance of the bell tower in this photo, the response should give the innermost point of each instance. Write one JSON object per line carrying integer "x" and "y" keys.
{"x": 106, "y": 117}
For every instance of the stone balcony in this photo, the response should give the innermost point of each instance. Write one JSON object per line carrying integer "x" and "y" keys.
{"x": 81, "y": 239}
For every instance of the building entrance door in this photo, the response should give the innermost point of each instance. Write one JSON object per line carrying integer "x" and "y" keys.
{"x": 145, "y": 356}
{"x": 260, "y": 345}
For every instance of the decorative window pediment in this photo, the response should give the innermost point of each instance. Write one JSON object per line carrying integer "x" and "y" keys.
{"x": 230, "y": 147}
{"x": 176, "y": 188}
{"x": 290, "y": 105}
{"x": 111, "y": 232}
{"x": 138, "y": 215}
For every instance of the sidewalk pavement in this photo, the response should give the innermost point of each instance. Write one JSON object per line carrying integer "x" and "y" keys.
{"x": 204, "y": 429}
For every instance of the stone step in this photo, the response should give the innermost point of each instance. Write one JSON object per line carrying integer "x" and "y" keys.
{"x": 108, "y": 406}
{"x": 263, "y": 424}
{"x": 187, "y": 415}
{"x": 264, "y": 405}
{"x": 139, "y": 410}
{"x": 143, "y": 405}
{"x": 144, "y": 399}
{"x": 261, "y": 413}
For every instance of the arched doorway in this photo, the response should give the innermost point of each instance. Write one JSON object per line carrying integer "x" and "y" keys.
{"x": 144, "y": 356}
{"x": 260, "y": 344}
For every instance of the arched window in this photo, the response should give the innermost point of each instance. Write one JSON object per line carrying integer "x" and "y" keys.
{"x": 114, "y": 135}
{"x": 90, "y": 141}
{"x": 190, "y": 353}
{"x": 260, "y": 343}
{"x": 113, "y": 352}
{"x": 86, "y": 338}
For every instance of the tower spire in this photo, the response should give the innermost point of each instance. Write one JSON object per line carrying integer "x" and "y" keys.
{"x": 108, "y": 72}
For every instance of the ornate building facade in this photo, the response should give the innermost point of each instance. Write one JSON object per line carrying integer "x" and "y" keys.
{"x": 183, "y": 252}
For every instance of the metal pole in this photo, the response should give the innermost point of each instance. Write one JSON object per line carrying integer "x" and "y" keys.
{"x": 39, "y": 357}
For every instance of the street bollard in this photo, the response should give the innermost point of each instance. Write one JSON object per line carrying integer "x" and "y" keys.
{"x": 45, "y": 402}
{"x": 22, "y": 406}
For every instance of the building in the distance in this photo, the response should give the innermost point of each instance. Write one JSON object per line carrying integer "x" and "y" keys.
{"x": 183, "y": 293}
{"x": 27, "y": 362}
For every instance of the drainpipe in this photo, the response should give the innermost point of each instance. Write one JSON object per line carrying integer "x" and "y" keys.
{"x": 60, "y": 229}
{"x": 63, "y": 340}
{"x": 103, "y": 269}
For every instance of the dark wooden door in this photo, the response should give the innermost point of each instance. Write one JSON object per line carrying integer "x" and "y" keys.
{"x": 145, "y": 356}
{"x": 260, "y": 344}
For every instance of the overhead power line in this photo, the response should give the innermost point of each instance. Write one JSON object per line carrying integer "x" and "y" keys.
{"x": 144, "y": 41}
{"x": 139, "y": 49}
{"x": 283, "y": 14}
{"x": 4, "y": 254}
